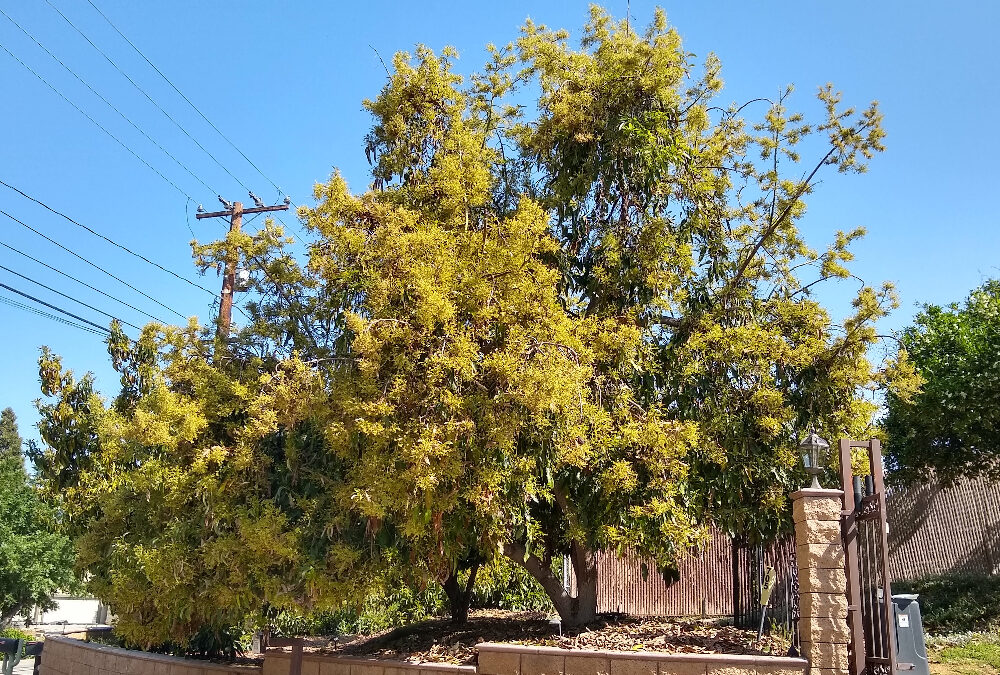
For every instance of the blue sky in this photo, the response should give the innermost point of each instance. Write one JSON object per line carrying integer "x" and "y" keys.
{"x": 285, "y": 82}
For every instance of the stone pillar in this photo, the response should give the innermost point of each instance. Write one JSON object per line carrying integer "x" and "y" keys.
{"x": 822, "y": 581}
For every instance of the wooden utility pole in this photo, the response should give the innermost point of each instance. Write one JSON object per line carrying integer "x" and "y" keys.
{"x": 235, "y": 212}
{"x": 229, "y": 278}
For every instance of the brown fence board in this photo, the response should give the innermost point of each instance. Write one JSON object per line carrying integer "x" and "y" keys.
{"x": 936, "y": 530}
{"x": 705, "y": 587}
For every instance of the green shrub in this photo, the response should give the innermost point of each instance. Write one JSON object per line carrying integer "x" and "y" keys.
{"x": 16, "y": 633}
{"x": 381, "y": 610}
{"x": 226, "y": 643}
{"x": 956, "y": 603}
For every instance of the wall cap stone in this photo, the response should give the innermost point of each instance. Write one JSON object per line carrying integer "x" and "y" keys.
{"x": 813, "y": 493}
{"x": 714, "y": 660}
{"x": 149, "y": 656}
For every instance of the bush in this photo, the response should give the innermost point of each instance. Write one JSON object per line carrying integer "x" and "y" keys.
{"x": 956, "y": 603}
{"x": 381, "y": 610}
{"x": 226, "y": 643}
{"x": 17, "y": 634}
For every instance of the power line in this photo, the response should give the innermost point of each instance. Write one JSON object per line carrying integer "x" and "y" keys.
{"x": 82, "y": 283}
{"x": 183, "y": 96}
{"x": 107, "y": 102}
{"x": 94, "y": 265}
{"x": 105, "y": 238}
{"x": 68, "y": 297}
{"x": 143, "y": 91}
{"x": 58, "y": 309}
{"x": 189, "y": 102}
{"x": 96, "y": 123}
{"x": 34, "y": 310}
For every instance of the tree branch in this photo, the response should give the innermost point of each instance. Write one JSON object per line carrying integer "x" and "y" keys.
{"x": 542, "y": 574}
{"x": 766, "y": 234}
{"x": 663, "y": 320}
{"x": 472, "y": 578}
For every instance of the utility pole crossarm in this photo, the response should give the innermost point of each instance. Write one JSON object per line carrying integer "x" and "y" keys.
{"x": 235, "y": 214}
{"x": 256, "y": 209}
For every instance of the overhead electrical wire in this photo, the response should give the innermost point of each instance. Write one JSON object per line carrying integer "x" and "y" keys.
{"x": 105, "y": 238}
{"x": 96, "y": 123}
{"x": 82, "y": 283}
{"x": 127, "y": 148}
{"x": 69, "y": 297}
{"x": 107, "y": 102}
{"x": 47, "y": 315}
{"x": 94, "y": 265}
{"x": 58, "y": 309}
{"x": 181, "y": 94}
{"x": 143, "y": 91}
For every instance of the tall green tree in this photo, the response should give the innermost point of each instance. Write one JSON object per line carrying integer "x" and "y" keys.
{"x": 10, "y": 440}
{"x": 585, "y": 327}
{"x": 35, "y": 561}
{"x": 592, "y": 328}
{"x": 951, "y": 428}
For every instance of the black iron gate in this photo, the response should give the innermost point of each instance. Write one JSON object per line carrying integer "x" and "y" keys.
{"x": 870, "y": 614}
{"x": 750, "y": 570}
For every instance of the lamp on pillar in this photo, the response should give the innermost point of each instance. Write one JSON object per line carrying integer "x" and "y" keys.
{"x": 814, "y": 450}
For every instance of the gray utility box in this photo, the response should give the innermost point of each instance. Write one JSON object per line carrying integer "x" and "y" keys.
{"x": 909, "y": 634}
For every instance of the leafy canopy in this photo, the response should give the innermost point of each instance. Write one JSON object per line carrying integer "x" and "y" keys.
{"x": 35, "y": 561}
{"x": 587, "y": 326}
{"x": 951, "y": 428}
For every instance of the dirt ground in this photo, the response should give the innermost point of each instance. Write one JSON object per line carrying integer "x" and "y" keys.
{"x": 441, "y": 641}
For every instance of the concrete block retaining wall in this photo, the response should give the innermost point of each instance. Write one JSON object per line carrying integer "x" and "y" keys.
{"x": 511, "y": 659}
{"x": 278, "y": 663}
{"x": 66, "y": 656}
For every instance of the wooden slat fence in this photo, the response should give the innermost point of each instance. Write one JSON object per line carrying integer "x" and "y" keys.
{"x": 935, "y": 530}
{"x": 722, "y": 579}
{"x": 705, "y": 587}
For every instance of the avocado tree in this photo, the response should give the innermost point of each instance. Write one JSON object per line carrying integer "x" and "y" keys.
{"x": 585, "y": 326}
{"x": 591, "y": 328}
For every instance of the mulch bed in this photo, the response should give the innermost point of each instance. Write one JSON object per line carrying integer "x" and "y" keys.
{"x": 441, "y": 641}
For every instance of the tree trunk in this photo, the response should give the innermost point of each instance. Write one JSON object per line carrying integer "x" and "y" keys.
{"x": 460, "y": 598}
{"x": 585, "y": 574}
{"x": 8, "y": 615}
{"x": 574, "y": 610}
